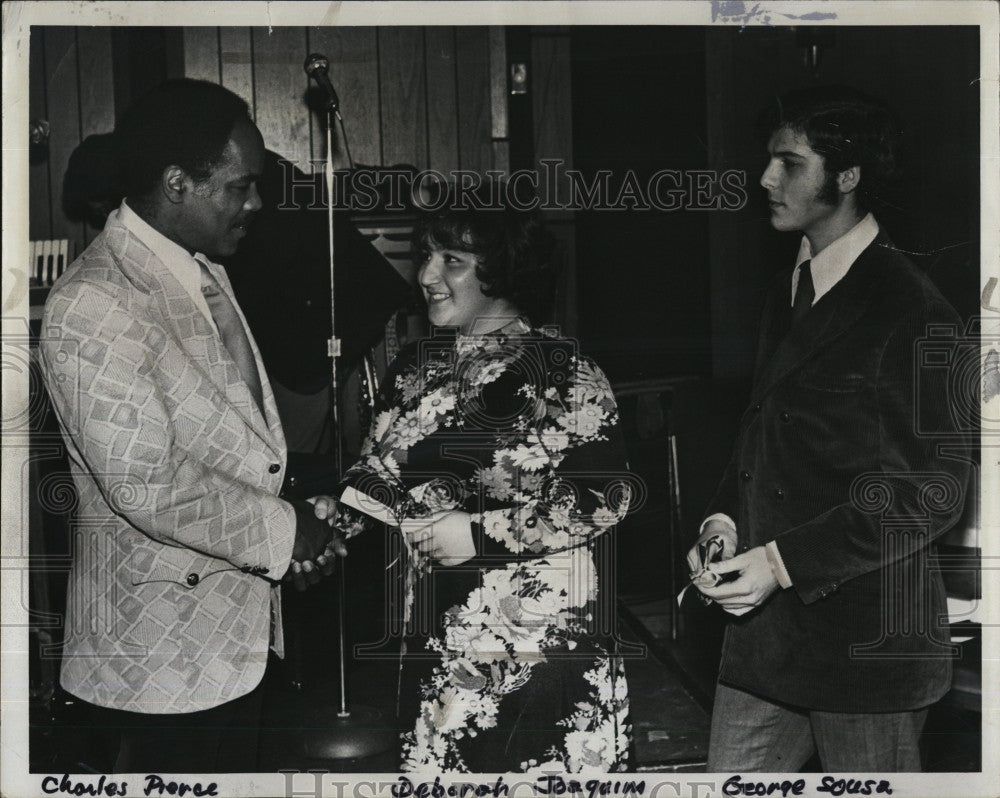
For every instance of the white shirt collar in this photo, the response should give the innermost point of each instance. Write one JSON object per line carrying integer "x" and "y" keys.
{"x": 179, "y": 262}
{"x": 834, "y": 261}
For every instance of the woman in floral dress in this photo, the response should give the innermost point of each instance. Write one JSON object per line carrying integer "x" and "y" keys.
{"x": 496, "y": 454}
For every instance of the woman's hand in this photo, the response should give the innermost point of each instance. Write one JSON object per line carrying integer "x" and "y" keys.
{"x": 445, "y": 537}
{"x": 325, "y": 508}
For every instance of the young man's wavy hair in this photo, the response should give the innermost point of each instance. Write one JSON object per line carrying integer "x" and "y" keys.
{"x": 847, "y": 128}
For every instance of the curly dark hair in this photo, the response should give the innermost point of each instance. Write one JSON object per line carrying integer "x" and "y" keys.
{"x": 847, "y": 128}
{"x": 182, "y": 122}
{"x": 513, "y": 245}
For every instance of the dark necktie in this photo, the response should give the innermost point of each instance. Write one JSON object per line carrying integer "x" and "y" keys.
{"x": 804, "y": 293}
{"x": 233, "y": 334}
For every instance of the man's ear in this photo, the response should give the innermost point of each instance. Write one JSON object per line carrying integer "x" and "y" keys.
{"x": 847, "y": 181}
{"x": 174, "y": 183}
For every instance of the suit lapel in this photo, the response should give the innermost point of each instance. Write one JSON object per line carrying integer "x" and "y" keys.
{"x": 775, "y": 320}
{"x": 193, "y": 332}
{"x": 833, "y": 315}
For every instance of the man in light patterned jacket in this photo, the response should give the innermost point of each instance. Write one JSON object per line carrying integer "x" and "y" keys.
{"x": 175, "y": 447}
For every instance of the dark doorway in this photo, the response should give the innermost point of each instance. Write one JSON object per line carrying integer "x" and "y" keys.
{"x": 638, "y": 109}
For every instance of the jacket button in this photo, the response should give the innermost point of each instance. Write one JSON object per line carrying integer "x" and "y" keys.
{"x": 193, "y": 579}
{"x": 756, "y": 408}
{"x": 274, "y": 468}
{"x": 745, "y": 476}
{"x": 785, "y": 416}
{"x": 779, "y": 494}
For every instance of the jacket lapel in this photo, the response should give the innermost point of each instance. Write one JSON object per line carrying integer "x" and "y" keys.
{"x": 832, "y": 316}
{"x": 193, "y": 332}
{"x": 775, "y": 320}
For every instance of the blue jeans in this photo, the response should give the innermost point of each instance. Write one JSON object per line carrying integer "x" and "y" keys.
{"x": 752, "y": 734}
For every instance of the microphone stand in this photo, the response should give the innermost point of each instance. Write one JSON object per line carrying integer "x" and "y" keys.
{"x": 357, "y": 731}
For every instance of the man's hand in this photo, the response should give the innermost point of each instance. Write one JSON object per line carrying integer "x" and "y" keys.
{"x": 712, "y": 528}
{"x": 325, "y": 508}
{"x": 446, "y": 536}
{"x": 316, "y": 547}
{"x": 755, "y": 583}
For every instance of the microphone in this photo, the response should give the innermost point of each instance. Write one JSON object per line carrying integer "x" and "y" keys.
{"x": 316, "y": 67}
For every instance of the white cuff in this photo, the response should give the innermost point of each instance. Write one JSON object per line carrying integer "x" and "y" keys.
{"x": 369, "y": 506}
{"x": 718, "y": 517}
{"x": 777, "y": 564}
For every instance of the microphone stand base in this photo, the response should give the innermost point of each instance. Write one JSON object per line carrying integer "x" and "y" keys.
{"x": 362, "y": 732}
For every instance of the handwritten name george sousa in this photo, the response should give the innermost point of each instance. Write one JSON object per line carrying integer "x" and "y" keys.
{"x": 735, "y": 785}
{"x": 154, "y": 785}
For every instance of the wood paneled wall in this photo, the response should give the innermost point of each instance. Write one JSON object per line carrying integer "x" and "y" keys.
{"x": 431, "y": 97}
{"x": 419, "y": 96}
{"x": 71, "y": 86}
{"x": 552, "y": 124}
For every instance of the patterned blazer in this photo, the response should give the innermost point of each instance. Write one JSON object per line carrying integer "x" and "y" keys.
{"x": 180, "y": 536}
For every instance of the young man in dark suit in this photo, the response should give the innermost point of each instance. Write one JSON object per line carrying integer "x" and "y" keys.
{"x": 835, "y": 491}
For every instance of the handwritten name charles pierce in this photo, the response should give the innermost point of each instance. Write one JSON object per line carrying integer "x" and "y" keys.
{"x": 153, "y": 785}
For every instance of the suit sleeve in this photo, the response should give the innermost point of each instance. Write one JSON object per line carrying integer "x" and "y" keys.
{"x": 910, "y": 480}
{"x": 101, "y": 368}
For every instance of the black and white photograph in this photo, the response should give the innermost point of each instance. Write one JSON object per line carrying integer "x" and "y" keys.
{"x": 499, "y": 399}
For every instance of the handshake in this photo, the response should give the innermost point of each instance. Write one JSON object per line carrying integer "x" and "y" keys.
{"x": 317, "y": 542}
{"x": 444, "y": 537}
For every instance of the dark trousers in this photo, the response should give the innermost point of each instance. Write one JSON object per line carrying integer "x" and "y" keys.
{"x": 752, "y": 734}
{"x": 222, "y": 739}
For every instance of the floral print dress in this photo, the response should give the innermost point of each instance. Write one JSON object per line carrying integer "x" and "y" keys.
{"x": 508, "y": 660}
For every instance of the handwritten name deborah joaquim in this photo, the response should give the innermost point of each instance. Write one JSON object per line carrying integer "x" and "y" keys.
{"x": 545, "y": 785}
{"x": 152, "y": 785}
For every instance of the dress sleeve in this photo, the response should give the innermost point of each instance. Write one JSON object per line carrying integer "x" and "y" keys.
{"x": 559, "y": 478}
{"x": 371, "y": 490}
